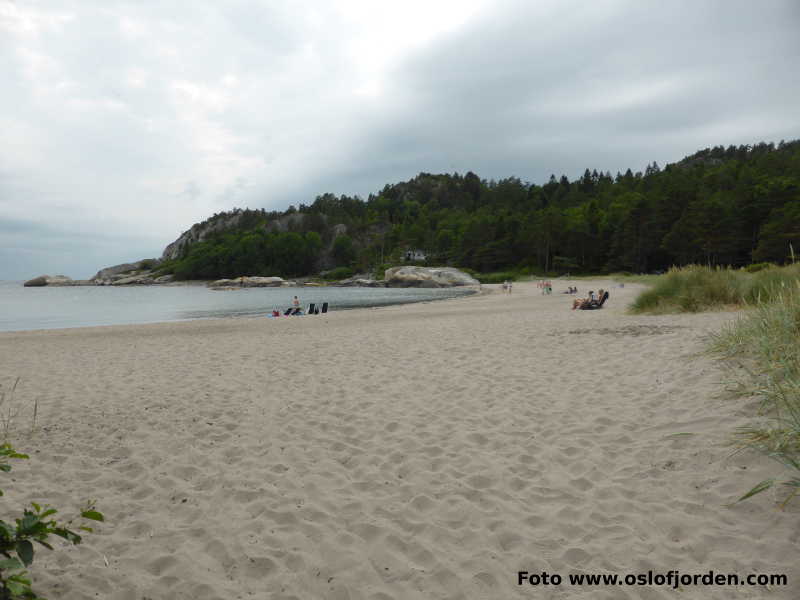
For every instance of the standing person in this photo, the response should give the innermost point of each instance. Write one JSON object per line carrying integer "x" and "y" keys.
{"x": 510, "y": 283}
{"x": 505, "y": 286}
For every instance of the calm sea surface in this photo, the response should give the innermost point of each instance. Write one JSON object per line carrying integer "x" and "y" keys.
{"x": 60, "y": 307}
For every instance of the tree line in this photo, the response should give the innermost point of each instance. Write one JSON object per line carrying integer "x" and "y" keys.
{"x": 720, "y": 206}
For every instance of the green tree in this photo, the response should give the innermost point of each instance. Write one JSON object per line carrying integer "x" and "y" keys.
{"x": 343, "y": 251}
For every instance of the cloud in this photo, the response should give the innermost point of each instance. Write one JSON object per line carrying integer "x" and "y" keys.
{"x": 134, "y": 120}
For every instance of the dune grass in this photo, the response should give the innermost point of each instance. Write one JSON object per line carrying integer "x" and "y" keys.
{"x": 697, "y": 288}
{"x": 768, "y": 337}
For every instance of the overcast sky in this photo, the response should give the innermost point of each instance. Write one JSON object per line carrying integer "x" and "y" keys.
{"x": 123, "y": 123}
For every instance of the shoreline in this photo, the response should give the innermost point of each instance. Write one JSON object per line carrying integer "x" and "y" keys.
{"x": 423, "y": 450}
{"x": 470, "y": 291}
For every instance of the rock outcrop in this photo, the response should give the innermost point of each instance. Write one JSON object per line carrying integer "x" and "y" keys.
{"x": 248, "y": 282}
{"x": 200, "y": 232}
{"x": 428, "y": 277}
{"x": 55, "y": 280}
{"x": 360, "y": 282}
{"x": 127, "y": 273}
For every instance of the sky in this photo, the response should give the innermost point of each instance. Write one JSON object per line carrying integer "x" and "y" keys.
{"x": 123, "y": 123}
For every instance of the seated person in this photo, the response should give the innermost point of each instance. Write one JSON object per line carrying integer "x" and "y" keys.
{"x": 580, "y": 302}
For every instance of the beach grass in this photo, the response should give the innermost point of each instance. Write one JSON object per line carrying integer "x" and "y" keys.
{"x": 767, "y": 338}
{"x": 697, "y": 288}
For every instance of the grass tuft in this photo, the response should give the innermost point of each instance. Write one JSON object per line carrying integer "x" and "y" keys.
{"x": 698, "y": 288}
{"x": 768, "y": 337}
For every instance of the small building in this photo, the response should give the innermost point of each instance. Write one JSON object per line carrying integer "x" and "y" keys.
{"x": 414, "y": 256}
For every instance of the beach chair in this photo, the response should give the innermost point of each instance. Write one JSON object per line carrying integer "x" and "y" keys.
{"x": 324, "y": 307}
{"x": 311, "y": 309}
{"x": 596, "y": 304}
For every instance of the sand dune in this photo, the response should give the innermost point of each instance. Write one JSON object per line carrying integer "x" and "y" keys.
{"x": 422, "y": 451}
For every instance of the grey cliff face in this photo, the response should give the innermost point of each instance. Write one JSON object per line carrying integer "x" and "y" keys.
{"x": 198, "y": 233}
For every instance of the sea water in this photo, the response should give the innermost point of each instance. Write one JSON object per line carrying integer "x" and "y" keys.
{"x": 82, "y": 306}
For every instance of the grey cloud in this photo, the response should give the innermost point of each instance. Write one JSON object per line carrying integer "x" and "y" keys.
{"x": 507, "y": 100}
{"x": 126, "y": 122}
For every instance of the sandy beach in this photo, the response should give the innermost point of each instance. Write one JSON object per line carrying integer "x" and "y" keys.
{"x": 419, "y": 451}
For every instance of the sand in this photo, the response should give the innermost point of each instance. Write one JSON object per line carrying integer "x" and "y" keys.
{"x": 420, "y": 451}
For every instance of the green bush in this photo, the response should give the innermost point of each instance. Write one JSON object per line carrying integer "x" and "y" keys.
{"x": 755, "y": 267}
{"x": 16, "y": 541}
{"x": 148, "y": 263}
{"x": 338, "y": 273}
{"x": 497, "y": 277}
{"x": 380, "y": 271}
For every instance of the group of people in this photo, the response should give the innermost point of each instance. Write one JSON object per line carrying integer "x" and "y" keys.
{"x": 571, "y": 290}
{"x": 296, "y": 310}
{"x": 546, "y": 286}
{"x": 507, "y": 286}
{"x": 592, "y": 301}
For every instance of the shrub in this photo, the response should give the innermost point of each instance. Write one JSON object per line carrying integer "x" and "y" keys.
{"x": 697, "y": 288}
{"x": 16, "y": 541}
{"x": 338, "y": 273}
{"x": 498, "y": 277}
{"x": 148, "y": 263}
{"x": 380, "y": 271}
{"x": 755, "y": 267}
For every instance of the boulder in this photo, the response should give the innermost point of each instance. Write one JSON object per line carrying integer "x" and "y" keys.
{"x": 143, "y": 278}
{"x": 250, "y": 282}
{"x": 264, "y": 281}
{"x": 110, "y": 274}
{"x": 429, "y": 277}
{"x": 39, "y": 281}
{"x": 221, "y": 283}
{"x": 360, "y": 282}
{"x": 55, "y": 281}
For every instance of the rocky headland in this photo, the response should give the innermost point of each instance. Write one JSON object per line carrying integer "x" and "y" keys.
{"x": 148, "y": 272}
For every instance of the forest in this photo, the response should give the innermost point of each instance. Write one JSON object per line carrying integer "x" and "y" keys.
{"x": 729, "y": 206}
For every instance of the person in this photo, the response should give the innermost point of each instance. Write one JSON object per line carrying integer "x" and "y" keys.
{"x": 578, "y": 302}
{"x": 296, "y": 302}
{"x": 505, "y": 285}
{"x": 510, "y": 283}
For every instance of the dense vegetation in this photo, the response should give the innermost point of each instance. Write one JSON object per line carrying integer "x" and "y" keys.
{"x": 720, "y": 206}
{"x": 699, "y": 288}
